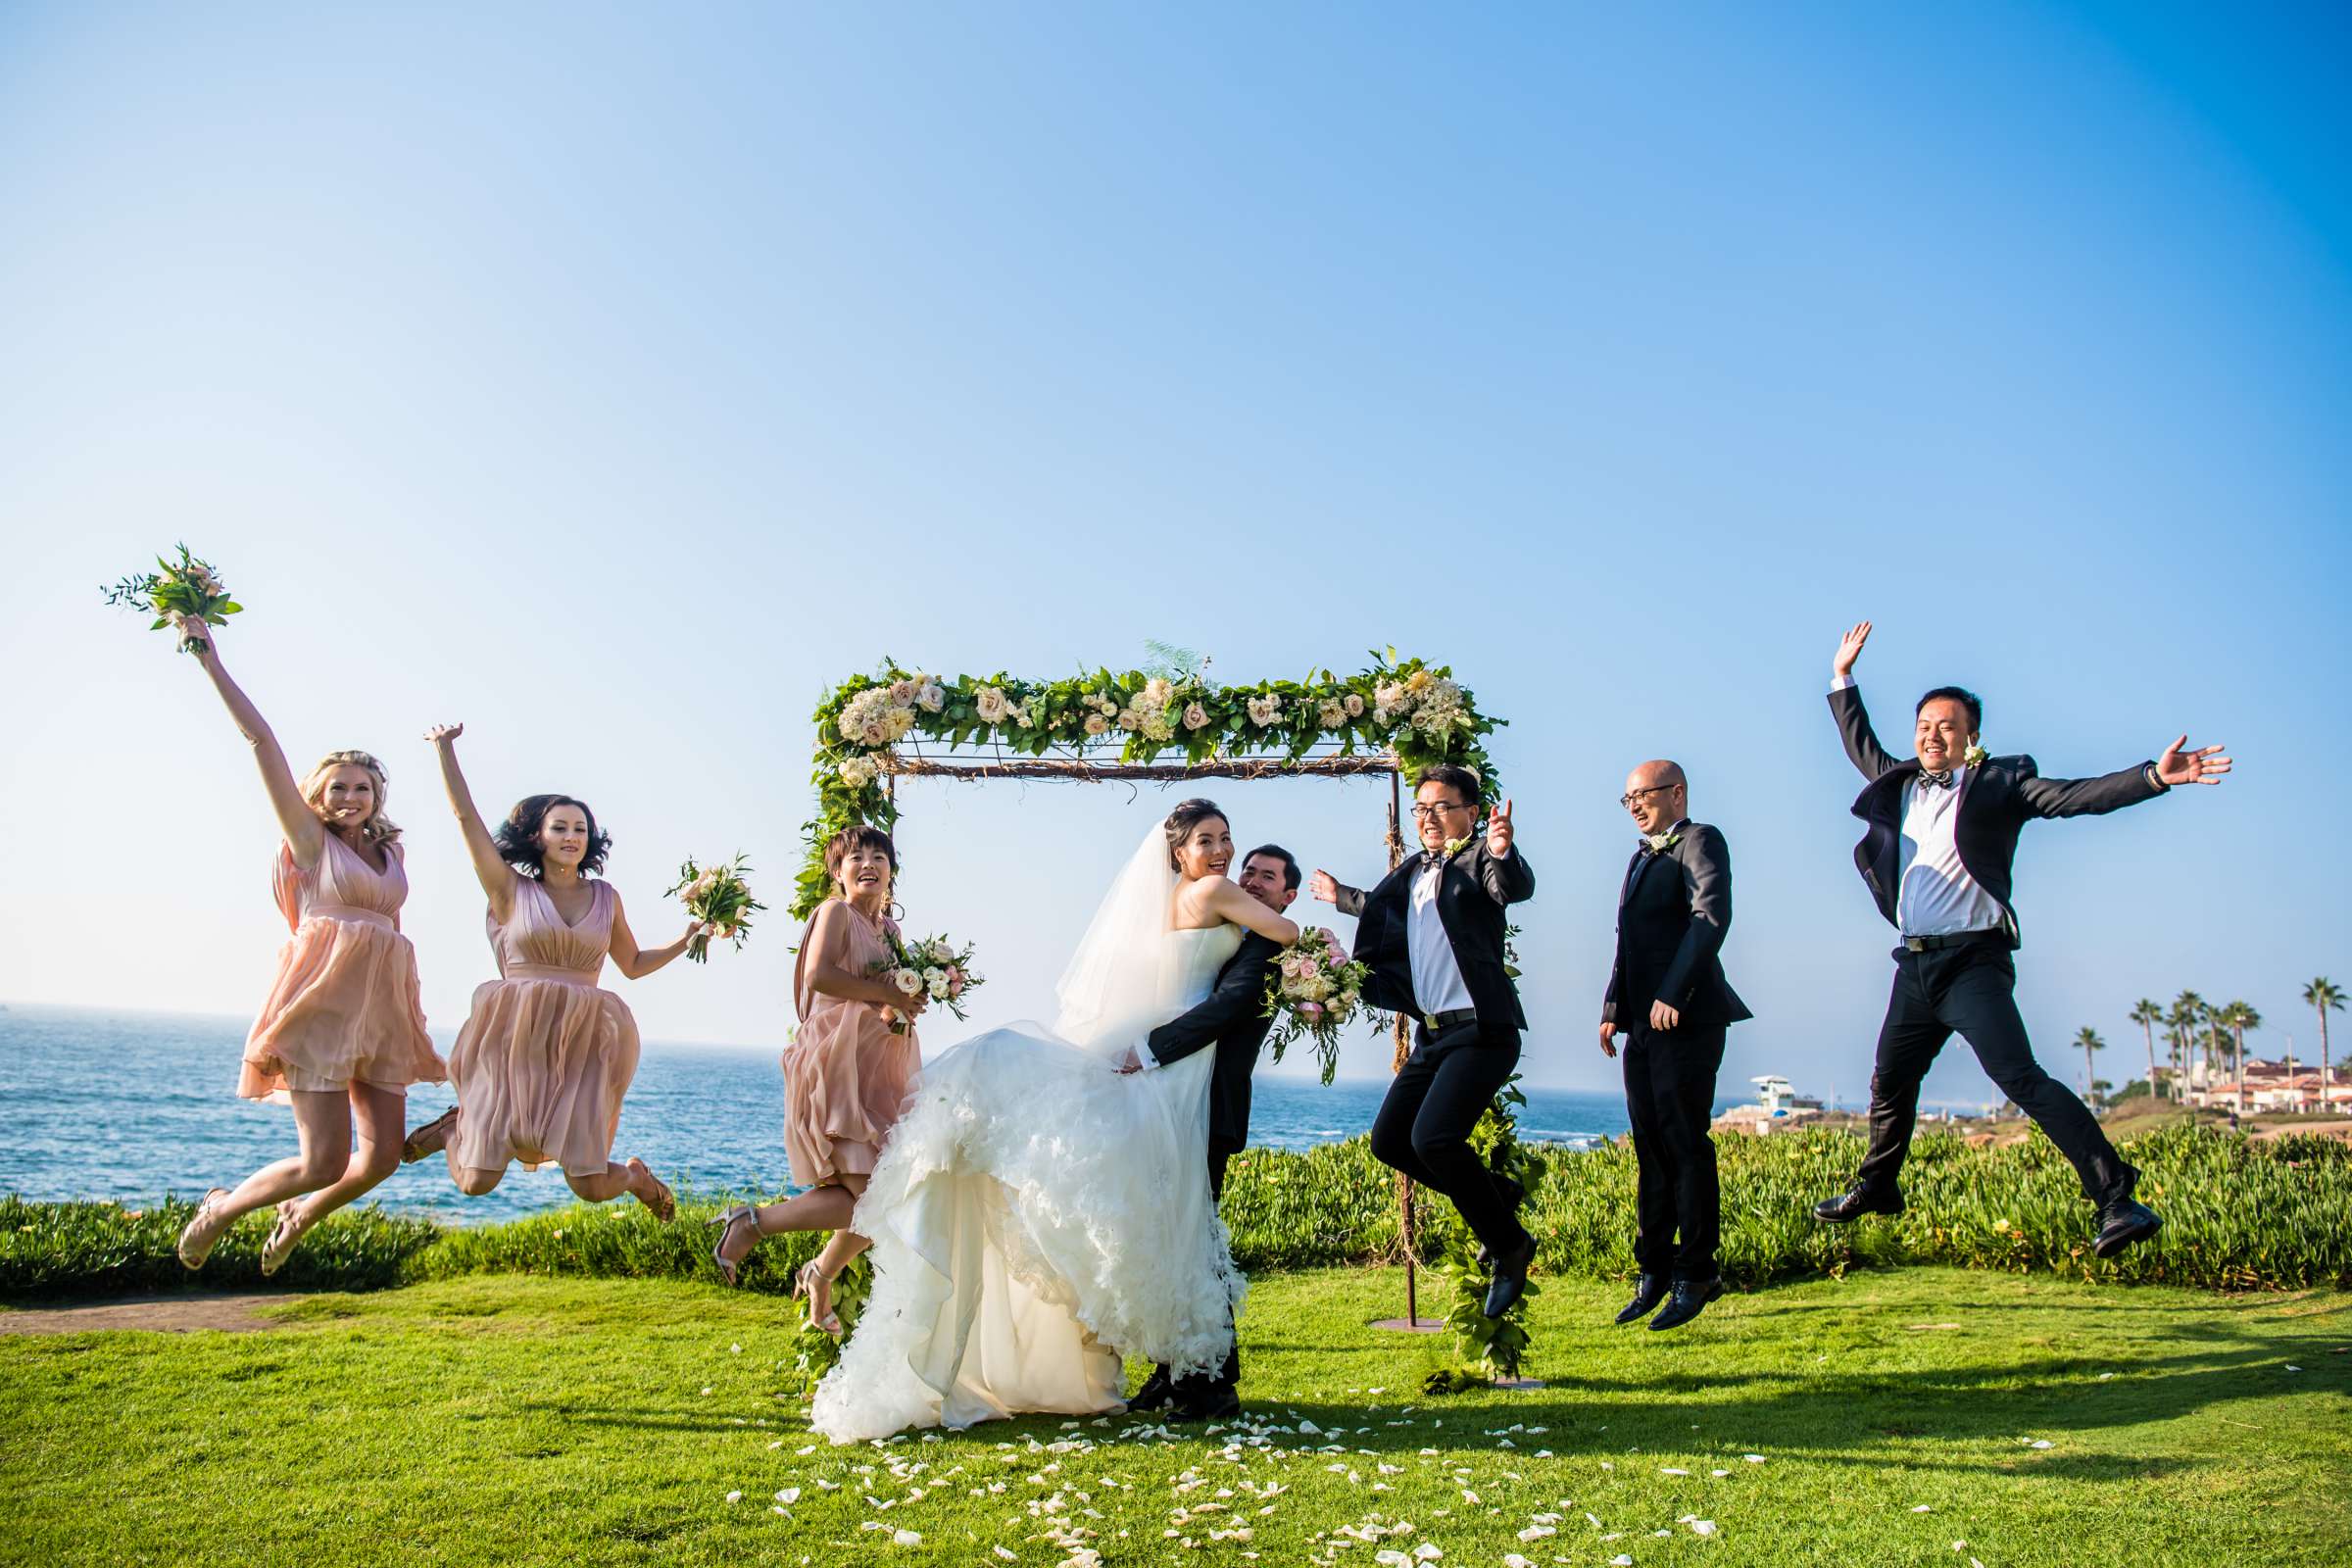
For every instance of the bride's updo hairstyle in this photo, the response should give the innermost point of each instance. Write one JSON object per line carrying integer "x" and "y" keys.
{"x": 1187, "y": 816}
{"x": 859, "y": 836}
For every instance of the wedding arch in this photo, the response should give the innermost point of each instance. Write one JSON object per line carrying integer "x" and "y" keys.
{"x": 1164, "y": 725}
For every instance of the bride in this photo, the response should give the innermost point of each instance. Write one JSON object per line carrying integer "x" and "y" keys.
{"x": 1042, "y": 1208}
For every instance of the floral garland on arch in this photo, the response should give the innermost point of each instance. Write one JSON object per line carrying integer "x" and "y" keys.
{"x": 1411, "y": 708}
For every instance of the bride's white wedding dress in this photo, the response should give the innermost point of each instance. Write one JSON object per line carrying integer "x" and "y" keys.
{"x": 1038, "y": 1215}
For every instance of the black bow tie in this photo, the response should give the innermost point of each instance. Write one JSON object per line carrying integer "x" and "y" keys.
{"x": 1935, "y": 781}
{"x": 1431, "y": 859}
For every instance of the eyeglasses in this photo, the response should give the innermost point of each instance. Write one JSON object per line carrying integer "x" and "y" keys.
{"x": 1628, "y": 799}
{"x": 1422, "y": 814}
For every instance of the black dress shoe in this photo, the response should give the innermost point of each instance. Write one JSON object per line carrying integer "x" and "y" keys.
{"x": 1690, "y": 1297}
{"x": 1209, "y": 1401}
{"x": 1510, "y": 1278}
{"x": 1649, "y": 1292}
{"x": 2122, "y": 1222}
{"x": 1856, "y": 1202}
{"x": 1156, "y": 1394}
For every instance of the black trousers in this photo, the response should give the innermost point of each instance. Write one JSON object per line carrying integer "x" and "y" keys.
{"x": 1423, "y": 1128}
{"x": 1670, "y": 1099}
{"x": 1969, "y": 990}
{"x": 1230, "y": 1375}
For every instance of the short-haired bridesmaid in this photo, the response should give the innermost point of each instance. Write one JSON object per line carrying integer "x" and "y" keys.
{"x": 546, "y": 1055}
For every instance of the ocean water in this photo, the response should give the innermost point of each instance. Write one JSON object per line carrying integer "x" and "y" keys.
{"x": 135, "y": 1105}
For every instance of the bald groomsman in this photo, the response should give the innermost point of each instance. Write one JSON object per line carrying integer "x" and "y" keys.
{"x": 1668, "y": 996}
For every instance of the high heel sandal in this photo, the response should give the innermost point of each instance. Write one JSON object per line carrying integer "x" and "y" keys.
{"x": 726, "y": 1222}
{"x": 664, "y": 1202}
{"x": 203, "y": 1229}
{"x": 804, "y": 1284}
{"x": 283, "y": 1237}
{"x": 429, "y": 1139}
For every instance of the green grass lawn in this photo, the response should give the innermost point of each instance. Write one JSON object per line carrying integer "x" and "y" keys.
{"x": 513, "y": 1420}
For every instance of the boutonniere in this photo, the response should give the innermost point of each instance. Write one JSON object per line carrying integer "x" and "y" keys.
{"x": 1975, "y": 756}
{"x": 1454, "y": 847}
{"x": 1660, "y": 843}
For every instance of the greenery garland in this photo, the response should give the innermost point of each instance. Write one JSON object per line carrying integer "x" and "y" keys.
{"x": 1407, "y": 706}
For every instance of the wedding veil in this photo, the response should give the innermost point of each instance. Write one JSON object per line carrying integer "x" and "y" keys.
{"x": 1111, "y": 993}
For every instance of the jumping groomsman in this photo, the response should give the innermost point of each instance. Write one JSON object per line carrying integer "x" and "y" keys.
{"x": 1668, "y": 996}
{"x": 1939, "y": 838}
{"x": 1433, "y": 934}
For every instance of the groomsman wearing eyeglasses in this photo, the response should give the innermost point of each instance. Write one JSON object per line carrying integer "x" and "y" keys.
{"x": 1936, "y": 853}
{"x": 1436, "y": 936}
{"x": 1668, "y": 996}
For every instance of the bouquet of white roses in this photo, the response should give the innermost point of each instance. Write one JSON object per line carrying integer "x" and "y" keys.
{"x": 1315, "y": 990}
{"x": 929, "y": 966}
{"x": 186, "y": 594}
{"x": 721, "y": 899}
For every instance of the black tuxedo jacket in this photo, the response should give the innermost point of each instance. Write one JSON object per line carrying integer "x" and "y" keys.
{"x": 1997, "y": 799}
{"x": 1232, "y": 1017}
{"x": 1473, "y": 890}
{"x": 1673, "y": 910}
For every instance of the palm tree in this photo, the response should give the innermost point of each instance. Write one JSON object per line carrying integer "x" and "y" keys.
{"x": 2088, "y": 1039}
{"x": 2148, "y": 1015}
{"x": 2215, "y": 1022}
{"x": 2238, "y": 1017}
{"x": 2187, "y": 1007}
{"x": 2323, "y": 995}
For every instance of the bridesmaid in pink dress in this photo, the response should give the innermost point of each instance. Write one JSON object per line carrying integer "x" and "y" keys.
{"x": 341, "y": 1035}
{"x": 545, "y": 1054}
{"x": 846, "y": 1074}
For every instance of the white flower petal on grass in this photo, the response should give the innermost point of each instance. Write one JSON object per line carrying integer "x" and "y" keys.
{"x": 1925, "y": 1508}
{"x": 1621, "y": 1561}
{"x": 1006, "y": 1553}
{"x": 1669, "y": 1470}
{"x": 1702, "y": 1527}
{"x": 789, "y": 1496}
{"x": 1392, "y": 1558}
{"x": 734, "y": 1496}
{"x": 1426, "y": 1553}
{"x": 1754, "y": 1458}
{"x": 2294, "y": 1368}
{"x": 2041, "y": 1442}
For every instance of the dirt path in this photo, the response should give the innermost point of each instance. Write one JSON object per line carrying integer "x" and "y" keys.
{"x": 171, "y": 1314}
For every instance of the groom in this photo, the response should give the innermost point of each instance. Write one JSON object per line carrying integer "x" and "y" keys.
{"x": 1432, "y": 932}
{"x": 1233, "y": 1018}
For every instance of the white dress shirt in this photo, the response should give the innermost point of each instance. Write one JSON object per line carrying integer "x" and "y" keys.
{"x": 1935, "y": 895}
{"x": 1437, "y": 977}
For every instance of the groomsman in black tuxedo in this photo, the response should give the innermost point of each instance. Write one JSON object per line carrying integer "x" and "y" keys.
{"x": 1668, "y": 996}
{"x": 1940, "y": 836}
{"x": 1433, "y": 935}
{"x": 1233, "y": 1018}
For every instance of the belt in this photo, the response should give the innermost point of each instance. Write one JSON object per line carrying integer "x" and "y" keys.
{"x": 549, "y": 971}
{"x": 1435, "y": 1021}
{"x": 1956, "y": 938}
{"x": 350, "y": 914}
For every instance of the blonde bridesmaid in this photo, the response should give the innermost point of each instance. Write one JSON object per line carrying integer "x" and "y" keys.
{"x": 341, "y": 1035}
{"x": 845, "y": 1073}
{"x": 545, "y": 1054}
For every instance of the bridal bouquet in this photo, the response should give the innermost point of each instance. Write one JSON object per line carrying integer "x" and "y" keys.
{"x": 1316, "y": 988}
{"x": 184, "y": 594}
{"x": 721, "y": 899}
{"x": 931, "y": 966}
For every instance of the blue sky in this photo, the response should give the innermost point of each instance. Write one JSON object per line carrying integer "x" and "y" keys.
{"x": 613, "y": 380}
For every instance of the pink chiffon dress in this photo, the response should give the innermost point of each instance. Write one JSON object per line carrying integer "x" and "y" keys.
{"x": 546, "y": 1055}
{"x": 344, "y": 1007}
{"x": 846, "y": 1075}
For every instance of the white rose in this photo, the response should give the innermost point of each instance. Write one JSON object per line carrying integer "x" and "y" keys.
{"x": 1096, "y": 723}
{"x": 932, "y": 696}
{"x": 1128, "y": 720}
{"x": 1195, "y": 716}
{"x": 1354, "y": 705}
{"x": 1332, "y": 714}
{"x": 992, "y": 706}
{"x": 906, "y": 980}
